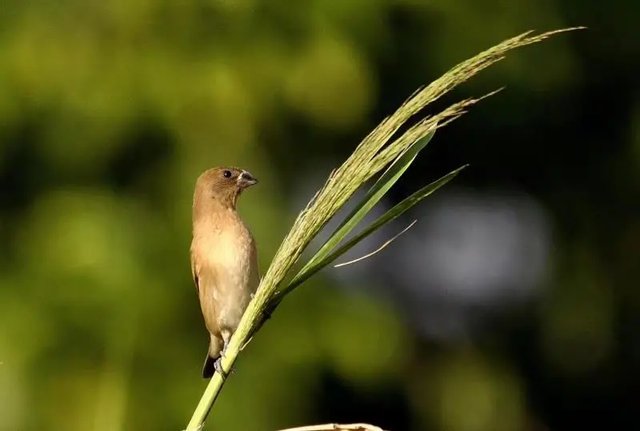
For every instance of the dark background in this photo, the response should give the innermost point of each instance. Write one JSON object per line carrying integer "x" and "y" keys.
{"x": 511, "y": 305}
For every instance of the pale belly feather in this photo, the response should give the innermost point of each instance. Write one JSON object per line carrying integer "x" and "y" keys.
{"x": 231, "y": 257}
{"x": 233, "y": 288}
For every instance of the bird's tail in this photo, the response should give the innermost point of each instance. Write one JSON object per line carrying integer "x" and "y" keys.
{"x": 209, "y": 367}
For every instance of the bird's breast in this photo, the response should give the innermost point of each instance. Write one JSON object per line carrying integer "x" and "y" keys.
{"x": 229, "y": 252}
{"x": 229, "y": 270}
{"x": 232, "y": 256}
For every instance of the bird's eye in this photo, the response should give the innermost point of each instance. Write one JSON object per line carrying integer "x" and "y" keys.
{"x": 227, "y": 174}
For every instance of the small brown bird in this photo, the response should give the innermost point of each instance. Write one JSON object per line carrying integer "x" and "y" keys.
{"x": 223, "y": 257}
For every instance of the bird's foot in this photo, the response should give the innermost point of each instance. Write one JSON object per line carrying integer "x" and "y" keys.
{"x": 217, "y": 365}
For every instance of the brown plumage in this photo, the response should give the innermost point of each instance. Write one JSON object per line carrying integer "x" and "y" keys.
{"x": 223, "y": 256}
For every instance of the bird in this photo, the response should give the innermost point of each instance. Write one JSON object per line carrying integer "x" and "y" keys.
{"x": 224, "y": 261}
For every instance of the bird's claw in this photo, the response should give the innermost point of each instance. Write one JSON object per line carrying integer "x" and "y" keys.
{"x": 217, "y": 365}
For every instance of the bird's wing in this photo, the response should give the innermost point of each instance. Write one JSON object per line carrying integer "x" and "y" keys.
{"x": 195, "y": 271}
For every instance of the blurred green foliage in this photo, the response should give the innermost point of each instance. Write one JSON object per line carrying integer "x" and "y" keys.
{"x": 108, "y": 112}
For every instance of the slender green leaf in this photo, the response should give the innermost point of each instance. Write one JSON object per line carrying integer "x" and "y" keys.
{"x": 390, "y": 215}
{"x": 373, "y": 196}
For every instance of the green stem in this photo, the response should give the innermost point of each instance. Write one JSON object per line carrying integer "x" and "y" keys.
{"x": 251, "y": 320}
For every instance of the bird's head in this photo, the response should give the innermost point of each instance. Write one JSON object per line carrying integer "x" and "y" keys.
{"x": 223, "y": 184}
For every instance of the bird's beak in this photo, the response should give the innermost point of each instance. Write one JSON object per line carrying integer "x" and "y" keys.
{"x": 246, "y": 180}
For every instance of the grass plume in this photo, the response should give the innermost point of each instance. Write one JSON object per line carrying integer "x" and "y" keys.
{"x": 378, "y": 150}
